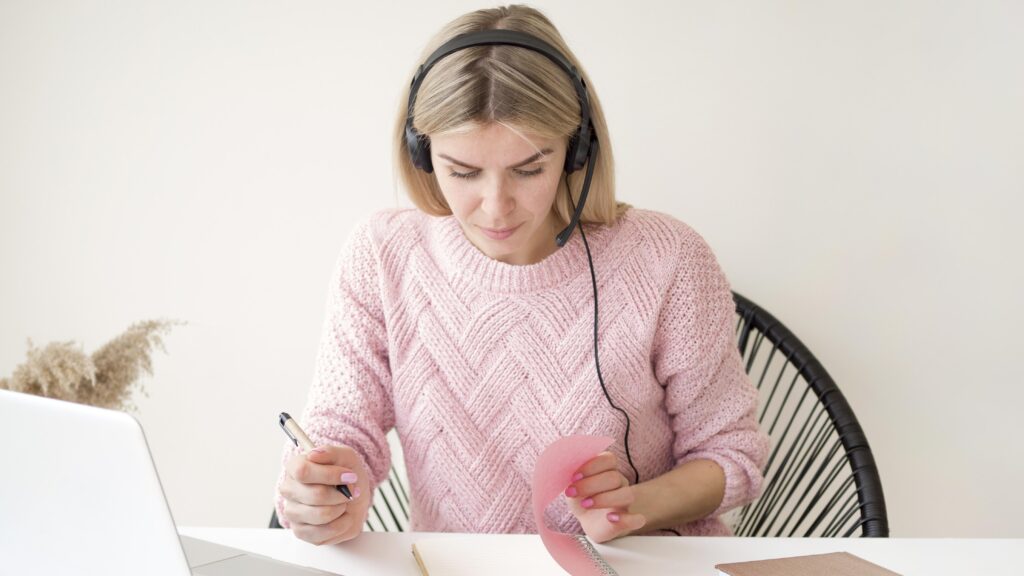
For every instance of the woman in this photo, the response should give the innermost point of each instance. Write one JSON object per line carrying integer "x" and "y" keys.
{"x": 466, "y": 327}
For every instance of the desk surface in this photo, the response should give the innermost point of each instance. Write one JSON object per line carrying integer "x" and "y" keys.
{"x": 375, "y": 553}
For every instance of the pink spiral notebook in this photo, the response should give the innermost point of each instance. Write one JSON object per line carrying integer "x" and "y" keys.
{"x": 549, "y": 552}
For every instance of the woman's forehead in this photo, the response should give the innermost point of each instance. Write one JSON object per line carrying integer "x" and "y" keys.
{"x": 493, "y": 136}
{"x": 493, "y": 148}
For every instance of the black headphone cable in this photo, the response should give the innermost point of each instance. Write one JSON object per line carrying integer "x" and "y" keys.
{"x": 597, "y": 360}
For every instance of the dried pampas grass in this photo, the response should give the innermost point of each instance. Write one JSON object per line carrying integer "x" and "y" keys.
{"x": 108, "y": 378}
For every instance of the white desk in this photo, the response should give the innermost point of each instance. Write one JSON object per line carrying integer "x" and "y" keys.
{"x": 383, "y": 553}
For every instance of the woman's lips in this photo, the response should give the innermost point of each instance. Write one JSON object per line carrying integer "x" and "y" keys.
{"x": 498, "y": 233}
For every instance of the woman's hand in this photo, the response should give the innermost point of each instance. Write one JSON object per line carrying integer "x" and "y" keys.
{"x": 317, "y": 511}
{"x": 600, "y": 497}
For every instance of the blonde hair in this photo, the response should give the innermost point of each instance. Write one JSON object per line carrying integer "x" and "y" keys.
{"x": 512, "y": 86}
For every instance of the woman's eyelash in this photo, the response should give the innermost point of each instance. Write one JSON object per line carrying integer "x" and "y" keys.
{"x": 523, "y": 173}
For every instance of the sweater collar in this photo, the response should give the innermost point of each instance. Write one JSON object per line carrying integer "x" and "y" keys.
{"x": 460, "y": 258}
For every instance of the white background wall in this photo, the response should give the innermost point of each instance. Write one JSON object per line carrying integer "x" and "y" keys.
{"x": 857, "y": 166}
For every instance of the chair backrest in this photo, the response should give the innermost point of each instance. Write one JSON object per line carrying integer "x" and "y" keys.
{"x": 820, "y": 480}
{"x": 390, "y": 510}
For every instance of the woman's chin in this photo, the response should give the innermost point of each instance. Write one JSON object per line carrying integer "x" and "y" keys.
{"x": 501, "y": 250}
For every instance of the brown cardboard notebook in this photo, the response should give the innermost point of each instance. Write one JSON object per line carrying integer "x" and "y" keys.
{"x": 835, "y": 564}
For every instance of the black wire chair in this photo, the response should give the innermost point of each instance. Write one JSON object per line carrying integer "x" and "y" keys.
{"x": 390, "y": 497}
{"x": 820, "y": 480}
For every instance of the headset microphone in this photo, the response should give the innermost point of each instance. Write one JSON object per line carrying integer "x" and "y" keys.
{"x": 564, "y": 235}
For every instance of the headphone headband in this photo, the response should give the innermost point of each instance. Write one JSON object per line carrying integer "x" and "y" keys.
{"x": 506, "y": 38}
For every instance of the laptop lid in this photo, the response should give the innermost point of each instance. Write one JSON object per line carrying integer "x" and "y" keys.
{"x": 79, "y": 493}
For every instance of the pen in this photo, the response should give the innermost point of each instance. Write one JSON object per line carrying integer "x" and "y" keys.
{"x": 296, "y": 435}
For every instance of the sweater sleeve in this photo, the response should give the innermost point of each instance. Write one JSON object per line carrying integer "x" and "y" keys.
{"x": 707, "y": 392}
{"x": 350, "y": 400}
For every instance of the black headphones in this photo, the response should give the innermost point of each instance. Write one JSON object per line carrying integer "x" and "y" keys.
{"x": 583, "y": 143}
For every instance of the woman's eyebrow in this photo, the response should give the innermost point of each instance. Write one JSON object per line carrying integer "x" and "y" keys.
{"x": 529, "y": 160}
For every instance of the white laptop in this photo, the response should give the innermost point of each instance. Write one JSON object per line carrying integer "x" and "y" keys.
{"x": 79, "y": 494}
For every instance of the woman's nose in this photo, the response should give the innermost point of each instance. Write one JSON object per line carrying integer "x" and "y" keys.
{"x": 498, "y": 200}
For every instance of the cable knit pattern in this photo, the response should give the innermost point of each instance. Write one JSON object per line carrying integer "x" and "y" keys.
{"x": 481, "y": 364}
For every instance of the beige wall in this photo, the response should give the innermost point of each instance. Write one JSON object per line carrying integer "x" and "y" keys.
{"x": 857, "y": 167}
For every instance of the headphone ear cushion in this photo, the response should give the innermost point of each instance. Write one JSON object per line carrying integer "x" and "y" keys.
{"x": 578, "y": 152}
{"x": 419, "y": 149}
{"x": 570, "y": 153}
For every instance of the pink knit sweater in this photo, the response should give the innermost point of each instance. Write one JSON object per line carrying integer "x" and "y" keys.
{"x": 479, "y": 365}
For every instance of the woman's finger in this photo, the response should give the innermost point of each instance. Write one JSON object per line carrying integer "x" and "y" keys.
{"x": 307, "y": 471}
{"x": 626, "y": 522}
{"x": 597, "y": 464}
{"x": 326, "y": 533}
{"x": 312, "y": 515}
{"x": 592, "y": 485}
{"x": 620, "y": 498}
{"x": 311, "y": 494}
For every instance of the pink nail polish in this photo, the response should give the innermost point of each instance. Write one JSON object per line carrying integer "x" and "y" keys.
{"x": 349, "y": 478}
{"x": 319, "y": 450}
{"x": 355, "y": 492}
{"x": 571, "y": 491}
{"x": 613, "y": 517}
{"x": 587, "y": 503}
{"x": 577, "y": 477}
